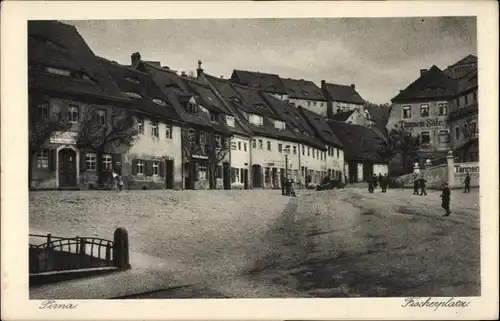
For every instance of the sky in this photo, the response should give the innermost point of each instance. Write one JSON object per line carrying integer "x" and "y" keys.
{"x": 379, "y": 55}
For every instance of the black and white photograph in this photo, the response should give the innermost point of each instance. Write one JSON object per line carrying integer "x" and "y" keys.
{"x": 257, "y": 158}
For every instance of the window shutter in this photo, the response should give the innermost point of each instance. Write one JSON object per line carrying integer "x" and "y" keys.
{"x": 162, "y": 168}
{"x": 117, "y": 158}
{"x": 52, "y": 159}
{"x": 83, "y": 163}
{"x": 134, "y": 166}
{"x": 149, "y": 168}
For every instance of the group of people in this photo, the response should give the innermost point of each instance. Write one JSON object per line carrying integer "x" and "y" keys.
{"x": 419, "y": 183}
{"x": 117, "y": 179}
{"x": 288, "y": 187}
{"x": 374, "y": 181}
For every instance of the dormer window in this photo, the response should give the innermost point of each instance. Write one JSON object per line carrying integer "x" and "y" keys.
{"x": 160, "y": 102}
{"x": 132, "y": 80}
{"x": 133, "y": 95}
{"x": 192, "y": 108}
{"x": 278, "y": 124}
{"x": 203, "y": 109}
{"x": 256, "y": 120}
{"x": 58, "y": 71}
{"x": 230, "y": 121}
{"x": 214, "y": 117}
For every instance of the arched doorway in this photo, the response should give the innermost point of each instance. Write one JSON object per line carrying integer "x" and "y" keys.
{"x": 67, "y": 167}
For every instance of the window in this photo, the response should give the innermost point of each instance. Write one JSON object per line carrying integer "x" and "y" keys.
{"x": 168, "y": 131}
{"x": 107, "y": 162}
{"x": 457, "y": 102}
{"x": 133, "y": 95}
{"x": 443, "y": 109}
{"x": 295, "y": 150}
{"x": 73, "y": 114}
{"x": 280, "y": 148}
{"x": 140, "y": 167}
{"x": 338, "y": 153}
{"x": 203, "y": 139}
{"x": 42, "y": 110}
{"x": 466, "y": 100}
{"x": 278, "y": 124}
{"x": 424, "y": 110}
{"x": 140, "y": 126}
{"x": 101, "y": 117}
{"x": 303, "y": 149}
{"x": 192, "y": 108}
{"x": 214, "y": 117}
{"x": 230, "y": 121}
{"x": 457, "y": 133}
{"x": 256, "y": 120}
{"x": 42, "y": 158}
{"x": 239, "y": 145}
{"x": 154, "y": 128}
{"x": 308, "y": 151}
{"x": 314, "y": 103}
{"x": 261, "y": 146}
{"x": 268, "y": 145}
{"x": 202, "y": 172}
{"x": 313, "y": 153}
{"x": 317, "y": 153}
{"x": 58, "y": 71}
{"x": 254, "y": 143}
{"x": 406, "y": 111}
{"x": 156, "y": 168}
{"x": 473, "y": 128}
{"x": 90, "y": 161}
{"x": 237, "y": 174}
{"x": 191, "y": 135}
{"x": 245, "y": 147}
{"x": 444, "y": 136}
{"x": 218, "y": 142}
{"x": 425, "y": 137}
{"x": 474, "y": 96}
{"x": 160, "y": 102}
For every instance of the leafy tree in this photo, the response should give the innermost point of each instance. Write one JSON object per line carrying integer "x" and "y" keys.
{"x": 43, "y": 122}
{"x": 403, "y": 143}
{"x": 100, "y": 129}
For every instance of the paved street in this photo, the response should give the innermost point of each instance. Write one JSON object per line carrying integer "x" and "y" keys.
{"x": 260, "y": 244}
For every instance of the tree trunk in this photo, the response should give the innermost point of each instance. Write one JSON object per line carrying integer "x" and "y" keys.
{"x": 30, "y": 167}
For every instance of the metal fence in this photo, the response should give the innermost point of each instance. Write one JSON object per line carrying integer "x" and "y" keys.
{"x": 61, "y": 253}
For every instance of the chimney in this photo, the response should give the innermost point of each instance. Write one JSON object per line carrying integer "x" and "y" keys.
{"x": 422, "y": 72}
{"x": 135, "y": 59}
{"x": 183, "y": 74}
{"x": 353, "y": 86}
{"x": 323, "y": 84}
{"x": 221, "y": 76}
{"x": 199, "y": 71}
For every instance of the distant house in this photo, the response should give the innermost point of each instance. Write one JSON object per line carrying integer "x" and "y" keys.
{"x": 65, "y": 78}
{"x": 305, "y": 93}
{"x": 341, "y": 98}
{"x": 355, "y": 116}
{"x": 365, "y": 151}
{"x": 269, "y": 83}
{"x": 440, "y": 108}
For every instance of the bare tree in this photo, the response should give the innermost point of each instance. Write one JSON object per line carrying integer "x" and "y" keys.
{"x": 468, "y": 130}
{"x": 42, "y": 123}
{"x": 101, "y": 129}
{"x": 402, "y": 142}
{"x": 217, "y": 149}
{"x": 190, "y": 148}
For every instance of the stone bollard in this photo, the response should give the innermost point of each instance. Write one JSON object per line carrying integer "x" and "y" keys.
{"x": 450, "y": 162}
{"x": 120, "y": 249}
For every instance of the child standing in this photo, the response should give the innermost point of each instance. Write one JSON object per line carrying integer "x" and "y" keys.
{"x": 445, "y": 199}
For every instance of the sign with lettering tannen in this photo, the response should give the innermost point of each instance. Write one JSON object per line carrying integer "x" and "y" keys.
{"x": 460, "y": 170}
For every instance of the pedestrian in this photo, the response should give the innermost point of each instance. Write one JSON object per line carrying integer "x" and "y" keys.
{"x": 374, "y": 180}
{"x": 370, "y": 184}
{"x": 283, "y": 185}
{"x": 379, "y": 179}
{"x": 423, "y": 182}
{"x": 445, "y": 199}
{"x": 416, "y": 183}
{"x": 383, "y": 182}
{"x": 467, "y": 183}
{"x": 292, "y": 188}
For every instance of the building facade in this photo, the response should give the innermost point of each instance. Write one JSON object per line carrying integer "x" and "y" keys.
{"x": 341, "y": 98}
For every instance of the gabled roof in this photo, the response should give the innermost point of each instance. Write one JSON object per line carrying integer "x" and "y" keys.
{"x": 58, "y": 45}
{"x": 179, "y": 94}
{"x": 434, "y": 83}
{"x": 342, "y": 93}
{"x": 134, "y": 81}
{"x": 321, "y": 127}
{"x": 302, "y": 89}
{"x": 470, "y": 59}
{"x": 342, "y": 116}
{"x": 253, "y": 102}
{"x": 294, "y": 121}
{"x": 205, "y": 96}
{"x": 360, "y": 143}
{"x": 467, "y": 82}
{"x": 267, "y": 82}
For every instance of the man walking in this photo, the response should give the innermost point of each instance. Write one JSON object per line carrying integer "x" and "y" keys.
{"x": 467, "y": 183}
{"x": 416, "y": 183}
{"x": 383, "y": 183}
{"x": 422, "y": 186}
{"x": 445, "y": 199}
{"x": 371, "y": 181}
{"x": 374, "y": 180}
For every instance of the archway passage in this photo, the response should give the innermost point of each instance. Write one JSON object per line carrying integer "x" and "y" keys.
{"x": 67, "y": 168}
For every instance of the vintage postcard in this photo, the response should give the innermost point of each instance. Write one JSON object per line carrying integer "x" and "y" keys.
{"x": 249, "y": 160}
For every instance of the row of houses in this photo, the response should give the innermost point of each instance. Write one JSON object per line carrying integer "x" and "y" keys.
{"x": 440, "y": 108}
{"x": 165, "y": 130}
